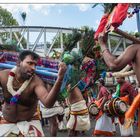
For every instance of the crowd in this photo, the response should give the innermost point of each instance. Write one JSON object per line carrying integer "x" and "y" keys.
{"x": 28, "y": 101}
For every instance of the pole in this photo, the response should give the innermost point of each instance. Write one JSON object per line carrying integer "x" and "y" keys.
{"x": 138, "y": 21}
{"x": 126, "y": 35}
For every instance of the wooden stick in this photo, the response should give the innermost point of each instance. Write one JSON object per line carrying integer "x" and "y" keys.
{"x": 126, "y": 35}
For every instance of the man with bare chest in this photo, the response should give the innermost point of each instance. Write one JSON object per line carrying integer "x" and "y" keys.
{"x": 79, "y": 119}
{"x": 21, "y": 90}
{"x": 130, "y": 55}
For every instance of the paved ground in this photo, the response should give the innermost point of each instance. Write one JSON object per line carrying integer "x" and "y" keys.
{"x": 87, "y": 134}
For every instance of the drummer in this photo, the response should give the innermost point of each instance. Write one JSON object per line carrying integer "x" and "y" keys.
{"x": 104, "y": 125}
{"x": 126, "y": 89}
{"x": 127, "y": 93}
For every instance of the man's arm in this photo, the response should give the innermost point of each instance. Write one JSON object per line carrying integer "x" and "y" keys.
{"x": 117, "y": 63}
{"x": 2, "y": 76}
{"x": 49, "y": 98}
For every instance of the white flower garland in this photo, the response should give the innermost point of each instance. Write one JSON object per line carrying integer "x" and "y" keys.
{"x": 10, "y": 83}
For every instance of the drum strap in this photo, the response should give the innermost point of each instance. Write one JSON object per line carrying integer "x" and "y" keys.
{"x": 98, "y": 103}
{"x": 99, "y": 115}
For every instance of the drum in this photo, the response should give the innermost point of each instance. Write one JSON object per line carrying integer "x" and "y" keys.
{"x": 93, "y": 109}
{"x": 115, "y": 107}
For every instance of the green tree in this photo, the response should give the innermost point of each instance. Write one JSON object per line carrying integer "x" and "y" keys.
{"x": 69, "y": 40}
{"x": 6, "y": 19}
{"x": 87, "y": 42}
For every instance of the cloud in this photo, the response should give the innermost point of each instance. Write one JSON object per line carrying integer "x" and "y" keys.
{"x": 37, "y": 7}
{"x": 96, "y": 24}
{"x": 97, "y": 21}
{"x": 43, "y": 8}
{"x": 13, "y": 8}
{"x": 83, "y": 7}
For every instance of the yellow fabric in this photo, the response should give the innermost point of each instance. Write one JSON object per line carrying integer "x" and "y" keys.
{"x": 81, "y": 112}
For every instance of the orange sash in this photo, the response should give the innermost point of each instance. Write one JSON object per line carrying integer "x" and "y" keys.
{"x": 98, "y": 103}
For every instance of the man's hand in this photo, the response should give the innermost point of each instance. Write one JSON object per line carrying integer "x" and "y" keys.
{"x": 102, "y": 39}
{"x": 62, "y": 70}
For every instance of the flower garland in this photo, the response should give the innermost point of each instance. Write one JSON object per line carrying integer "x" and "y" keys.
{"x": 120, "y": 74}
{"x": 15, "y": 94}
{"x": 123, "y": 73}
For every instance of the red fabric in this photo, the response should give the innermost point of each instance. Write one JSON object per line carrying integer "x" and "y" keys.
{"x": 121, "y": 120}
{"x": 104, "y": 93}
{"x": 102, "y": 133}
{"x": 90, "y": 70}
{"x": 101, "y": 26}
{"x": 103, "y": 96}
{"x": 40, "y": 62}
{"x": 11, "y": 74}
{"x": 120, "y": 14}
{"x": 75, "y": 123}
{"x": 39, "y": 134}
{"x": 2, "y": 58}
{"x": 128, "y": 89}
{"x": 98, "y": 103}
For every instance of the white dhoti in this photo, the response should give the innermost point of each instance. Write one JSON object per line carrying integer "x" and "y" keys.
{"x": 79, "y": 117}
{"x": 126, "y": 132}
{"x": 104, "y": 126}
{"x": 49, "y": 112}
{"x": 23, "y": 128}
{"x": 63, "y": 124}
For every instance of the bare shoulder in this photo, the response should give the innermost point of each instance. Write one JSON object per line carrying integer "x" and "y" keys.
{"x": 4, "y": 73}
{"x": 38, "y": 80}
{"x": 134, "y": 46}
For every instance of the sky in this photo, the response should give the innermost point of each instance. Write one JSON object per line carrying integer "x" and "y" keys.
{"x": 63, "y": 15}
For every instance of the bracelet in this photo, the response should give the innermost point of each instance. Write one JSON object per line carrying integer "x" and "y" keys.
{"x": 104, "y": 50}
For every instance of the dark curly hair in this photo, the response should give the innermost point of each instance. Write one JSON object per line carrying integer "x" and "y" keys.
{"x": 25, "y": 53}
